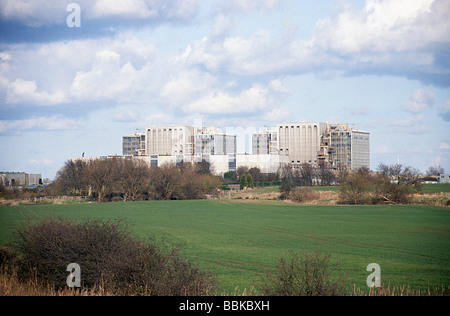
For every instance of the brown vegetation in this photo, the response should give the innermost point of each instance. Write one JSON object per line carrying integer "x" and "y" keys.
{"x": 111, "y": 261}
{"x": 132, "y": 179}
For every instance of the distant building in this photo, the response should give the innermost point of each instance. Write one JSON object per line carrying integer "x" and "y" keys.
{"x": 213, "y": 142}
{"x": 265, "y": 143}
{"x": 20, "y": 179}
{"x": 301, "y": 142}
{"x": 170, "y": 140}
{"x": 334, "y": 146}
{"x": 322, "y": 144}
{"x": 134, "y": 145}
{"x": 444, "y": 178}
{"x": 349, "y": 149}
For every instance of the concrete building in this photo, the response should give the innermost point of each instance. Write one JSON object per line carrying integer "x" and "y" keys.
{"x": 211, "y": 141}
{"x": 444, "y": 178}
{"x": 170, "y": 140}
{"x": 265, "y": 143}
{"x": 319, "y": 144}
{"x": 20, "y": 179}
{"x": 301, "y": 141}
{"x": 134, "y": 145}
{"x": 322, "y": 144}
{"x": 345, "y": 148}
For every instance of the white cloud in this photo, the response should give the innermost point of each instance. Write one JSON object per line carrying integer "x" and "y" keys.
{"x": 52, "y": 123}
{"x": 26, "y": 91}
{"x": 246, "y": 6}
{"x": 258, "y": 55}
{"x": 444, "y": 146}
{"x": 385, "y": 37}
{"x": 106, "y": 80}
{"x": 256, "y": 99}
{"x": 186, "y": 85}
{"x": 411, "y": 124}
{"x": 137, "y": 9}
{"x": 420, "y": 101}
{"x": 409, "y": 120}
{"x": 385, "y": 25}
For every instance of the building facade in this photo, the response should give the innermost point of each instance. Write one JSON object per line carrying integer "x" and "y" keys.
{"x": 301, "y": 142}
{"x": 211, "y": 141}
{"x": 134, "y": 145}
{"x": 170, "y": 140}
{"x": 334, "y": 146}
{"x": 444, "y": 178}
{"x": 326, "y": 145}
{"x": 265, "y": 143}
{"x": 20, "y": 179}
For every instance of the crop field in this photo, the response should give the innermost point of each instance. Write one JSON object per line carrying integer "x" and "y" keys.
{"x": 238, "y": 241}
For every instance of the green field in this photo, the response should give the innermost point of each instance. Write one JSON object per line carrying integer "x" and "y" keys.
{"x": 238, "y": 240}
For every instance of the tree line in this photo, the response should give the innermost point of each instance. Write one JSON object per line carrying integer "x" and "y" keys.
{"x": 133, "y": 179}
{"x": 390, "y": 184}
{"x": 117, "y": 179}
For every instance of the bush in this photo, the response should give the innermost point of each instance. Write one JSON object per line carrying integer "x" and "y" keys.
{"x": 285, "y": 189}
{"x": 305, "y": 275}
{"x": 303, "y": 194}
{"x": 108, "y": 257}
{"x": 8, "y": 258}
{"x": 356, "y": 189}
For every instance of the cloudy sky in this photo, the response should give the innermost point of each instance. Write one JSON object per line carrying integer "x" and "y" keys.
{"x": 381, "y": 65}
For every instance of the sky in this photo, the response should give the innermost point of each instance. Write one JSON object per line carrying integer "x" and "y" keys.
{"x": 76, "y": 76}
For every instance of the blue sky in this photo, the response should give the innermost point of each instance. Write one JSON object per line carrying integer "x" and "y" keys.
{"x": 242, "y": 65}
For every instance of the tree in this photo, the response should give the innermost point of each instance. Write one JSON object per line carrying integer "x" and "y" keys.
{"x": 355, "y": 188}
{"x": 163, "y": 182}
{"x": 307, "y": 174}
{"x": 204, "y": 167}
{"x": 134, "y": 178}
{"x": 241, "y": 171}
{"x": 71, "y": 178}
{"x": 256, "y": 174}
{"x": 326, "y": 176}
{"x": 230, "y": 175}
{"x": 103, "y": 176}
{"x": 243, "y": 182}
{"x": 394, "y": 182}
{"x": 436, "y": 170}
{"x": 170, "y": 183}
{"x": 251, "y": 183}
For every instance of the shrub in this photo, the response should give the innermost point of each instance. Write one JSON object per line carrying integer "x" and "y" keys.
{"x": 108, "y": 257}
{"x": 303, "y": 194}
{"x": 8, "y": 258}
{"x": 243, "y": 182}
{"x": 305, "y": 275}
{"x": 355, "y": 189}
{"x": 285, "y": 189}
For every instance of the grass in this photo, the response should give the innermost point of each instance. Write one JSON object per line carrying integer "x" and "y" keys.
{"x": 436, "y": 187}
{"x": 239, "y": 240}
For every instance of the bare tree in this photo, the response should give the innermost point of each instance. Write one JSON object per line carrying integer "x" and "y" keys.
{"x": 135, "y": 176}
{"x": 103, "y": 176}
{"x": 436, "y": 170}
{"x": 70, "y": 179}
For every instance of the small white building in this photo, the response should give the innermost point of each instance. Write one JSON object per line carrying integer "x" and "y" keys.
{"x": 444, "y": 178}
